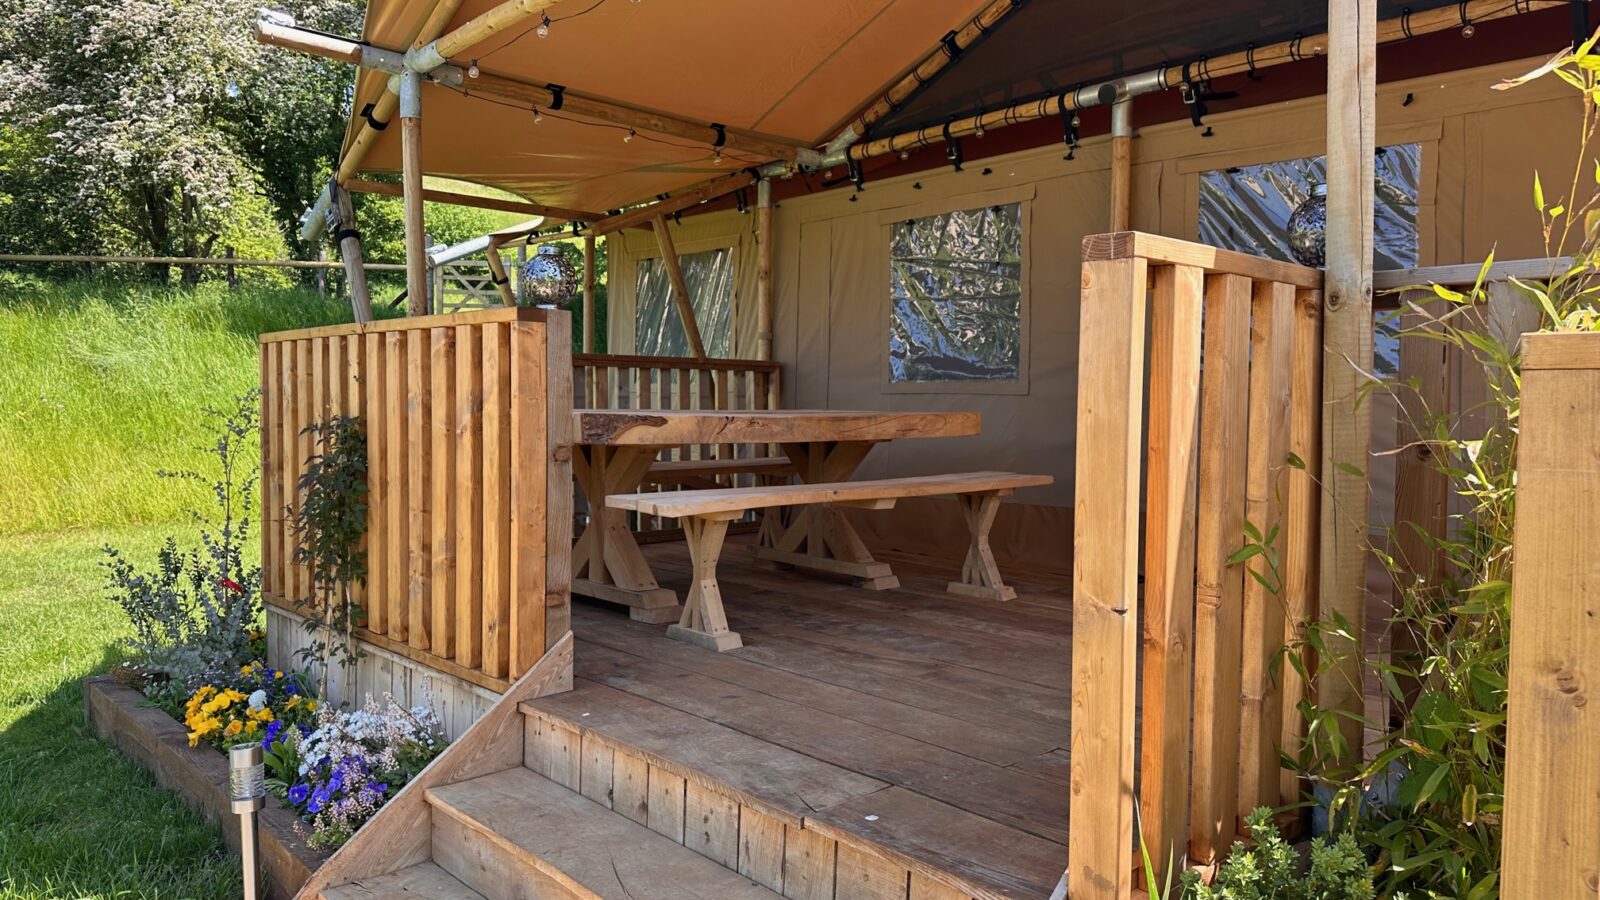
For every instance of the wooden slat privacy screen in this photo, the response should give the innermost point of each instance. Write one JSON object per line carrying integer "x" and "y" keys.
{"x": 1233, "y": 371}
{"x": 469, "y": 521}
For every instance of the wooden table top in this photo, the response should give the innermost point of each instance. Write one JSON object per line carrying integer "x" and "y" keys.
{"x": 644, "y": 427}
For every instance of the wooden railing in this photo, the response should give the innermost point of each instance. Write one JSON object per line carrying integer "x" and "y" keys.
{"x": 468, "y": 424}
{"x": 603, "y": 381}
{"x": 1233, "y": 368}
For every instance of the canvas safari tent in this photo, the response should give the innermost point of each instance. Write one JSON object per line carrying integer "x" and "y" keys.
{"x": 923, "y": 209}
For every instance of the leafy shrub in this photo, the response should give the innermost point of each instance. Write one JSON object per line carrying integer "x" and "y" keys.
{"x": 192, "y": 616}
{"x": 329, "y": 526}
{"x": 1272, "y": 870}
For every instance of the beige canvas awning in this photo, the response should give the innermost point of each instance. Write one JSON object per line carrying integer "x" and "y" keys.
{"x": 790, "y": 72}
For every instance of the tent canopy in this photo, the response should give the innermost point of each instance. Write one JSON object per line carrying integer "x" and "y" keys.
{"x": 794, "y": 73}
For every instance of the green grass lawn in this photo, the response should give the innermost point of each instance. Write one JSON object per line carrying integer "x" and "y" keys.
{"x": 77, "y": 819}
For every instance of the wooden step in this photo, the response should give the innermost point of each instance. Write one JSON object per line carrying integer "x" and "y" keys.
{"x": 425, "y": 880}
{"x": 516, "y": 834}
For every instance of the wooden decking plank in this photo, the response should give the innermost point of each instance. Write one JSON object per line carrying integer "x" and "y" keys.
{"x": 1053, "y": 766}
{"x": 758, "y": 770}
{"x": 591, "y": 845}
{"x": 424, "y": 880}
{"x": 1001, "y": 746}
{"x": 1000, "y": 859}
{"x": 1013, "y": 798}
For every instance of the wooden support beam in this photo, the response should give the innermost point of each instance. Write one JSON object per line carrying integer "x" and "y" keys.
{"x": 764, "y": 269}
{"x": 411, "y": 179}
{"x": 680, "y": 288}
{"x": 1347, "y": 347}
{"x": 497, "y": 268}
{"x": 362, "y": 186}
{"x": 384, "y": 107}
{"x": 355, "y": 274}
{"x": 677, "y": 202}
{"x": 489, "y": 23}
{"x": 588, "y": 293}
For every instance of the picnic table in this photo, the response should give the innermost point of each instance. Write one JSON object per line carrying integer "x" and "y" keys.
{"x": 616, "y": 449}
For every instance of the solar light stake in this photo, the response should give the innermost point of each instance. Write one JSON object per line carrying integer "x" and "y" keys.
{"x": 247, "y": 787}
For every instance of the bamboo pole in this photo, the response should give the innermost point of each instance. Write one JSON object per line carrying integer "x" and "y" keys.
{"x": 588, "y": 293}
{"x": 764, "y": 269}
{"x": 684, "y": 199}
{"x": 350, "y": 253}
{"x": 1390, "y": 30}
{"x": 1347, "y": 349}
{"x": 497, "y": 267}
{"x": 680, "y": 288}
{"x": 411, "y": 179}
{"x": 362, "y": 186}
{"x": 486, "y": 25}
{"x": 1121, "y": 164}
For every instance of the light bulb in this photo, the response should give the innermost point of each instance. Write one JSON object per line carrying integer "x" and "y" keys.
{"x": 716, "y": 158}
{"x": 979, "y": 132}
{"x": 628, "y": 138}
{"x": 905, "y": 154}
{"x": 472, "y": 70}
{"x": 1468, "y": 30}
{"x": 544, "y": 26}
{"x": 537, "y": 116}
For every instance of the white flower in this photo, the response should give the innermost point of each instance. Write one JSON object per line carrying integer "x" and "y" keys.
{"x": 258, "y": 700}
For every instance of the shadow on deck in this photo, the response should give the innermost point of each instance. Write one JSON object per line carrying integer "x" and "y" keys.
{"x": 917, "y": 727}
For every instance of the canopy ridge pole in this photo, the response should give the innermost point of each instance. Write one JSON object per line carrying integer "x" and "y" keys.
{"x": 1121, "y": 163}
{"x": 680, "y": 288}
{"x": 411, "y": 179}
{"x": 764, "y": 269}
{"x": 1347, "y": 350}
{"x": 588, "y": 293}
{"x": 950, "y": 47}
{"x": 1168, "y": 77}
{"x": 497, "y": 271}
{"x": 362, "y": 186}
{"x": 355, "y": 273}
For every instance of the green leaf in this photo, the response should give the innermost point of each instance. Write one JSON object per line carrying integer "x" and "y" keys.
{"x": 1243, "y": 553}
{"x": 1538, "y": 192}
{"x": 1295, "y": 462}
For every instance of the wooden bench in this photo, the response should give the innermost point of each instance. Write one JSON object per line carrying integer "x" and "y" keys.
{"x": 705, "y": 516}
{"x": 702, "y": 473}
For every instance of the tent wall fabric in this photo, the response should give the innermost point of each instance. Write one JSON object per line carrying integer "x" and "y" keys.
{"x": 1480, "y": 149}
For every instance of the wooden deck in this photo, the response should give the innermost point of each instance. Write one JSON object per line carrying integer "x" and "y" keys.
{"x": 933, "y": 726}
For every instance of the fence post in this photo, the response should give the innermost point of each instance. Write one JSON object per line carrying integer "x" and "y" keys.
{"x": 233, "y": 273}
{"x": 322, "y": 274}
{"x": 1552, "y": 794}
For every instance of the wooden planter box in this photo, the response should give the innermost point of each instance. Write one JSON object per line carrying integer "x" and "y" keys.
{"x": 200, "y": 774}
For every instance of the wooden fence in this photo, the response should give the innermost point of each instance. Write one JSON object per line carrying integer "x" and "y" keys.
{"x": 1552, "y": 802}
{"x": 468, "y": 423}
{"x": 1216, "y": 456}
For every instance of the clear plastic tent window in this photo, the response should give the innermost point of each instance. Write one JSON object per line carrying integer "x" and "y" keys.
{"x": 1247, "y": 208}
{"x": 955, "y": 282}
{"x": 658, "y": 330}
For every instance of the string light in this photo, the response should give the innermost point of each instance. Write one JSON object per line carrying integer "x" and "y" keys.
{"x": 980, "y": 131}
{"x": 905, "y": 154}
{"x": 628, "y": 138}
{"x": 544, "y": 26}
{"x": 716, "y": 157}
{"x": 472, "y": 70}
{"x": 537, "y": 116}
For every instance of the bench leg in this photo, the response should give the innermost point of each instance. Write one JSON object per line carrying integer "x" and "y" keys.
{"x": 704, "y": 623}
{"x": 980, "y": 577}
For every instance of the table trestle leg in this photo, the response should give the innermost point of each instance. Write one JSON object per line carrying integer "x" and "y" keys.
{"x": 980, "y": 576}
{"x": 704, "y": 623}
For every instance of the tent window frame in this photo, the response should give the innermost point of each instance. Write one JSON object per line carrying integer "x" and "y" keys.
{"x": 730, "y": 247}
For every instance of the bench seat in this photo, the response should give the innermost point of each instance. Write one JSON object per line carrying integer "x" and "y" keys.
{"x": 705, "y": 515}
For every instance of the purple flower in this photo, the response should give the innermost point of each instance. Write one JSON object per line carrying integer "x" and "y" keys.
{"x": 297, "y": 794}
{"x": 381, "y": 787}
{"x": 273, "y": 729}
{"x": 336, "y": 783}
{"x": 318, "y": 800}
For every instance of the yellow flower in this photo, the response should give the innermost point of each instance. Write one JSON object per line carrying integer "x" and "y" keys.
{"x": 278, "y": 674}
{"x": 233, "y": 728}
{"x": 293, "y": 702}
{"x": 264, "y": 714}
{"x": 194, "y": 738}
{"x": 244, "y": 669}
{"x": 250, "y": 727}
{"x": 311, "y": 705}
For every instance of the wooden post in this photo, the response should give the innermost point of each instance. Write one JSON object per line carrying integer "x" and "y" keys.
{"x": 1121, "y": 164}
{"x": 411, "y": 178}
{"x": 680, "y": 288}
{"x": 1347, "y": 346}
{"x": 355, "y": 272}
{"x": 764, "y": 269}
{"x": 233, "y": 273}
{"x": 322, "y": 274}
{"x": 588, "y": 293}
{"x": 1552, "y": 847}
{"x": 1105, "y": 577}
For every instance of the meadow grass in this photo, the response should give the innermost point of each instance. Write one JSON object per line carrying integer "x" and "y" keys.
{"x": 104, "y": 384}
{"x": 77, "y": 819}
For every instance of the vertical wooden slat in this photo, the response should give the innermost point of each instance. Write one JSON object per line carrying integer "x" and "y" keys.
{"x": 1261, "y": 709}
{"x": 469, "y": 496}
{"x": 442, "y": 578}
{"x": 1219, "y": 588}
{"x": 530, "y": 451}
{"x": 1175, "y": 323}
{"x": 496, "y": 498}
{"x": 558, "y": 482}
{"x": 374, "y": 406}
{"x": 271, "y": 530}
{"x": 1300, "y": 524}
{"x": 1105, "y": 576}
{"x": 1552, "y": 790}
{"x": 397, "y": 549}
{"x": 302, "y": 447}
{"x": 349, "y": 374}
{"x": 419, "y": 496}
